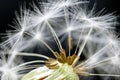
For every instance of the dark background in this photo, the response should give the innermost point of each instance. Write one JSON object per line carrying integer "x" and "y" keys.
{"x": 8, "y": 8}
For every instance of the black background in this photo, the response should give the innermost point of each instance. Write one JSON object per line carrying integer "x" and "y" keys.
{"x": 8, "y": 8}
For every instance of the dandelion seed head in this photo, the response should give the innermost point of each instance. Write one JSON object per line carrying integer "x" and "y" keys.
{"x": 69, "y": 29}
{"x": 22, "y": 32}
{"x": 43, "y": 18}
{"x": 64, "y": 4}
{"x": 115, "y": 60}
{"x": 38, "y": 36}
{"x": 6, "y": 71}
{"x": 89, "y": 35}
{"x": 8, "y": 74}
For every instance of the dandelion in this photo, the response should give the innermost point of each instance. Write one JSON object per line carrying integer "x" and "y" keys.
{"x": 62, "y": 40}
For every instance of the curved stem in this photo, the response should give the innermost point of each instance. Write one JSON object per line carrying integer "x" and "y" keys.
{"x": 69, "y": 33}
{"x": 48, "y": 47}
{"x": 12, "y": 57}
{"x": 27, "y": 63}
{"x": 45, "y": 44}
{"x": 32, "y": 54}
{"x": 78, "y": 43}
{"x": 85, "y": 41}
{"x": 106, "y": 75}
{"x": 54, "y": 35}
{"x": 106, "y": 46}
{"x": 99, "y": 63}
{"x": 22, "y": 68}
{"x": 82, "y": 46}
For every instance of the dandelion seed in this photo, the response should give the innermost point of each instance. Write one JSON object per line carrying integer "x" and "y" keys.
{"x": 91, "y": 34}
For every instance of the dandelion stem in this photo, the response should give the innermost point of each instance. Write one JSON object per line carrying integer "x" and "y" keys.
{"x": 85, "y": 41}
{"x": 12, "y": 57}
{"x": 78, "y": 42}
{"x": 82, "y": 46}
{"x": 54, "y": 35}
{"x": 45, "y": 45}
{"x": 27, "y": 63}
{"x": 107, "y": 75}
{"x": 32, "y": 54}
{"x": 69, "y": 32}
{"x": 99, "y": 63}
{"x": 27, "y": 67}
{"x": 106, "y": 46}
{"x": 48, "y": 47}
{"x": 69, "y": 43}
